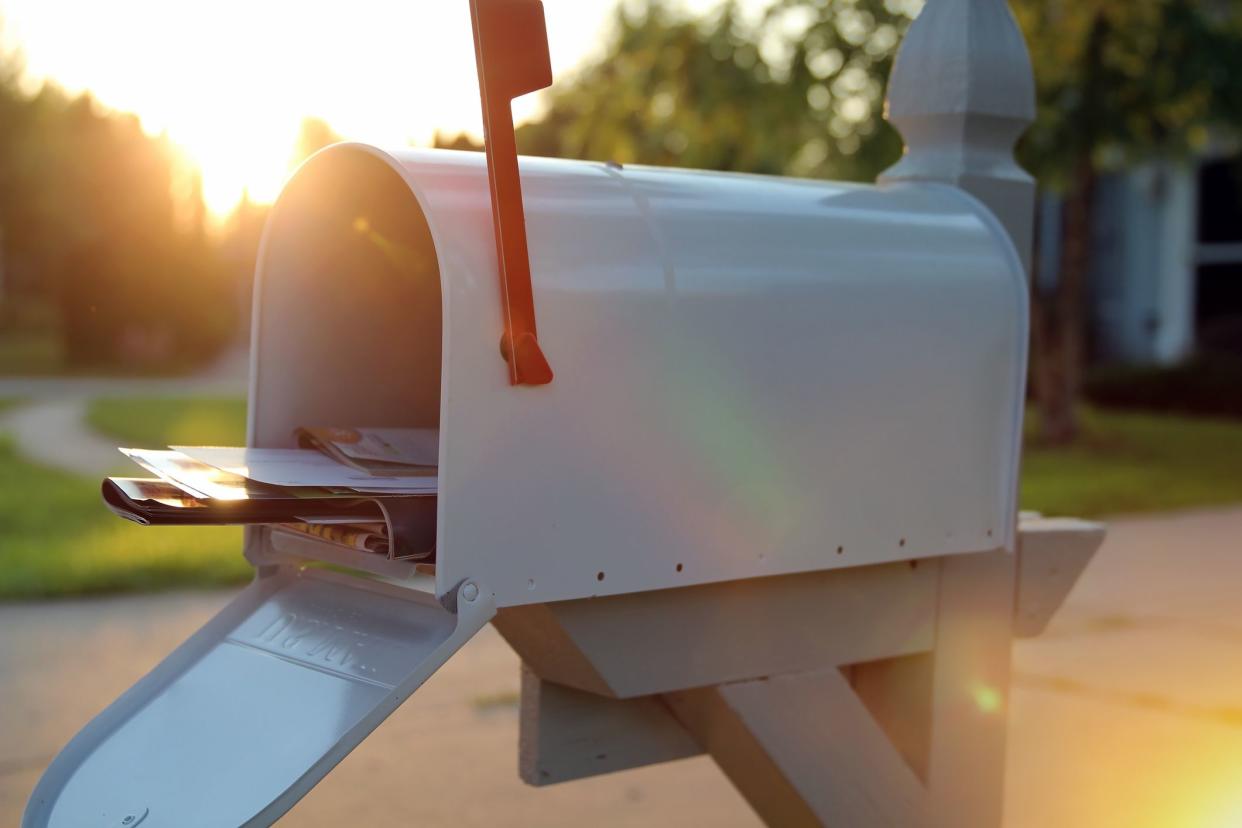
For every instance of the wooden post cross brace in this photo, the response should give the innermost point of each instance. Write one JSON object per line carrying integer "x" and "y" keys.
{"x": 873, "y": 696}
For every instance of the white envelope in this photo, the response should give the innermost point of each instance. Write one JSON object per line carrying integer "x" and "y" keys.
{"x": 303, "y": 467}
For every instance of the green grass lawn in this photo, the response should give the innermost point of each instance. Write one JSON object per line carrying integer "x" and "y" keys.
{"x": 144, "y": 422}
{"x": 1128, "y": 462}
{"x": 56, "y": 537}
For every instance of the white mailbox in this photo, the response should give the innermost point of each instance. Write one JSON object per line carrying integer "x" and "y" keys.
{"x": 749, "y": 377}
{"x": 753, "y": 375}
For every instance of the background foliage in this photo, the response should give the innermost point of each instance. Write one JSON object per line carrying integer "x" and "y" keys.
{"x": 108, "y": 259}
{"x": 104, "y": 237}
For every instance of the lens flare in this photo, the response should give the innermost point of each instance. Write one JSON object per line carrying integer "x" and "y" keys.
{"x": 987, "y": 698}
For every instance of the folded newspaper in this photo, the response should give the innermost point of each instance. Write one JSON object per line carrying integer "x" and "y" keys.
{"x": 158, "y": 502}
{"x": 352, "y": 489}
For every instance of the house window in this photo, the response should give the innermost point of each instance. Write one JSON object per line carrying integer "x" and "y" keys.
{"x": 1218, "y": 295}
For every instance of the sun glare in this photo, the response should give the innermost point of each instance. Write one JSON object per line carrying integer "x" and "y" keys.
{"x": 230, "y": 81}
{"x": 1213, "y": 799}
{"x": 236, "y": 166}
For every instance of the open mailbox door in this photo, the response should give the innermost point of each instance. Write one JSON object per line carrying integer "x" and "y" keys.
{"x": 246, "y": 716}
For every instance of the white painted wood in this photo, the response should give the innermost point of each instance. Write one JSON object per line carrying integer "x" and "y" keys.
{"x": 1052, "y": 554}
{"x": 970, "y": 691}
{"x": 750, "y": 372}
{"x": 741, "y": 754}
{"x": 804, "y": 750}
{"x": 569, "y": 734}
{"x": 898, "y": 693}
{"x": 961, "y": 93}
{"x": 961, "y": 748}
{"x": 547, "y": 647}
{"x": 893, "y": 683}
{"x": 655, "y": 642}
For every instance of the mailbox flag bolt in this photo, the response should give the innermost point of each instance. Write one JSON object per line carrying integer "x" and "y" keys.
{"x": 469, "y": 591}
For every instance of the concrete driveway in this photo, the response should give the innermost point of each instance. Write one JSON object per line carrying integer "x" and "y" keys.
{"x": 1128, "y": 712}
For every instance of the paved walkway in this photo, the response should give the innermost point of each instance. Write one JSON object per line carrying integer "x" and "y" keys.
{"x": 1127, "y": 712}
{"x": 53, "y": 432}
{"x": 50, "y": 427}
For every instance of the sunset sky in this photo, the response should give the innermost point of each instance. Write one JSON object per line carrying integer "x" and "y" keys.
{"x": 231, "y": 80}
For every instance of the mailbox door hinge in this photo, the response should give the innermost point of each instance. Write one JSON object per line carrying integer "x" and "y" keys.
{"x": 511, "y": 51}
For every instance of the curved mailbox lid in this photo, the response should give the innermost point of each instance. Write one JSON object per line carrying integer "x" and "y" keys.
{"x": 241, "y": 720}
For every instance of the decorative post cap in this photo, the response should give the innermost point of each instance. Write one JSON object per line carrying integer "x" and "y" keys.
{"x": 961, "y": 93}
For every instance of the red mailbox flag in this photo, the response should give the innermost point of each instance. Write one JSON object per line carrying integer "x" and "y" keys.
{"x": 511, "y": 49}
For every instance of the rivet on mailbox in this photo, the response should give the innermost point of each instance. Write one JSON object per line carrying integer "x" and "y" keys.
{"x": 770, "y": 396}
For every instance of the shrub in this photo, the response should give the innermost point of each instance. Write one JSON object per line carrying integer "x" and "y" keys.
{"x": 1208, "y": 385}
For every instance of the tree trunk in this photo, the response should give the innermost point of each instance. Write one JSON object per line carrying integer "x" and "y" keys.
{"x": 1059, "y": 320}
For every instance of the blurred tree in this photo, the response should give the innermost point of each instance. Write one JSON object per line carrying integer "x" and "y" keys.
{"x": 460, "y": 141}
{"x": 14, "y": 118}
{"x": 313, "y": 135}
{"x": 95, "y": 231}
{"x": 1117, "y": 82}
{"x": 836, "y": 56}
{"x": 137, "y": 287}
{"x": 797, "y": 92}
{"x": 673, "y": 91}
{"x": 239, "y": 248}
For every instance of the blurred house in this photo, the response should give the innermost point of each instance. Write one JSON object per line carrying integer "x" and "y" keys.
{"x": 1167, "y": 280}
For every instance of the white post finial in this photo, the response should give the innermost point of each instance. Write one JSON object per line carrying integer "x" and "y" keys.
{"x": 961, "y": 93}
